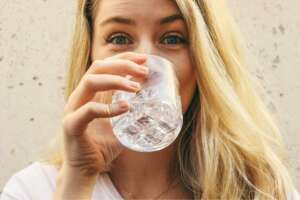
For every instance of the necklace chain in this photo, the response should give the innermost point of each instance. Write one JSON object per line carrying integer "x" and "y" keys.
{"x": 130, "y": 195}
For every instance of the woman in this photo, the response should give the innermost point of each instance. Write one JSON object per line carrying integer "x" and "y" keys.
{"x": 228, "y": 148}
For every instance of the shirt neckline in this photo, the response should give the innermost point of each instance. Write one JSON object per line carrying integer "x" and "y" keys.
{"x": 110, "y": 187}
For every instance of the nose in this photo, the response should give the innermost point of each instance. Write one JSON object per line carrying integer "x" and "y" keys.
{"x": 146, "y": 46}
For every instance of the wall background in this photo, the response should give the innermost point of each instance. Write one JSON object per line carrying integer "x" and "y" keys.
{"x": 34, "y": 41}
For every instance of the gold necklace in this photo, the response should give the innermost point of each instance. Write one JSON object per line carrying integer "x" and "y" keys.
{"x": 130, "y": 195}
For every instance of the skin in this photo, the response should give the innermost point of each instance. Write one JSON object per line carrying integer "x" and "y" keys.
{"x": 88, "y": 133}
{"x": 145, "y": 35}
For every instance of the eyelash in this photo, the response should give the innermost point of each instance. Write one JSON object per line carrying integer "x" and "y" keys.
{"x": 111, "y": 38}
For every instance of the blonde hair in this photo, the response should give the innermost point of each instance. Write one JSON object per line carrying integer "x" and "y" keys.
{"x": 229, "y": 147}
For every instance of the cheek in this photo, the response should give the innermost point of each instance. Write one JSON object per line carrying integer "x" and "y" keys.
{"x": 98, "y": 52}
{"x": 187, "y": 79}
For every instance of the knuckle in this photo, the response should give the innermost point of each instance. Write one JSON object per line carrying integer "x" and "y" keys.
{"x": 91, "y": 108}
{"x": 107, "y": 110}
{"x": 96, "y": 64}
{"x": 128, "y": 64}
{"x": 112, "y": 80}
{"x": 124, "y": 54}
{"x": 121, "y": 82}
{"x": 129, "y": 54}
{"x": 88, "y": 82}
{"x": 67, "y": 124}
{"x": 125, "y": 65}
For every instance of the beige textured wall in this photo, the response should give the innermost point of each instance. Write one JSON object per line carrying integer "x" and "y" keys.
{"x": 34, "y": 39}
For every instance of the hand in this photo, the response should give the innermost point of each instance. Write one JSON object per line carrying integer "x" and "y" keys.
{"x": 91, "y": 147}
{"x": 89, "y": 143}
{"x": 91, "y": 151}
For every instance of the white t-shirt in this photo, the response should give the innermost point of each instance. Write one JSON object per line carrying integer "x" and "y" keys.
{"x": 37, "y": 182}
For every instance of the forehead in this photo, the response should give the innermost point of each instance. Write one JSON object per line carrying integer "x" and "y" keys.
{"x": 138, "y": 9}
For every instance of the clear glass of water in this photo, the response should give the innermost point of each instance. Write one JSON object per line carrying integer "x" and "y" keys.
{"x": 154, "y": 119}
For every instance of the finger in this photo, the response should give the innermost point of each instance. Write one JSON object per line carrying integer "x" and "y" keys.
{"x": 118, "y": 66}
{"x": 76, "y": 122}
{"x": 92, "y": 83}
{"x": 138, "y": 58}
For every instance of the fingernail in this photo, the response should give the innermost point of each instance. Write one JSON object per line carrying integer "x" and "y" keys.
{"x": 123, "y": 105}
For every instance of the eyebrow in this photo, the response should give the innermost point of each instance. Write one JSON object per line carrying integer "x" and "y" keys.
{"x": 128, "y": 21}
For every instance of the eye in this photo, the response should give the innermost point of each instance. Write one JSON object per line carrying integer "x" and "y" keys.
{"x": 119, "y": 39}
{"x": 173, "y": 40}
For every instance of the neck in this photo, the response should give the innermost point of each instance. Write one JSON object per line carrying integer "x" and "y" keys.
{"x": 144, "y": 174}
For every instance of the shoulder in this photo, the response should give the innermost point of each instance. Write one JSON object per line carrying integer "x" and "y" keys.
{"x": 32, "y": 182}
{"x": 38, "y": 181}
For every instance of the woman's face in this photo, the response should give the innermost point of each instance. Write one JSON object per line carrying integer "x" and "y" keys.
{"x": 145, "y": 26}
